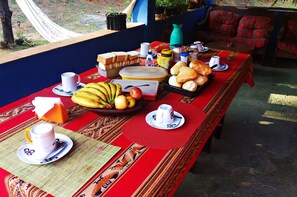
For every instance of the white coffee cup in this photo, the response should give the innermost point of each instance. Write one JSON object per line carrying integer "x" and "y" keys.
{"x": 214, "y": 60}
{"x": 164, "y": 114}
{"x": 42, "y": 137}
{"x": 144, "y": 49}
{"x": 199, "y": 45}
{"x": 70, "y": 81}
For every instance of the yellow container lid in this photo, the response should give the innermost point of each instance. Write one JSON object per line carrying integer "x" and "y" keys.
{"x": 143, "y": 73}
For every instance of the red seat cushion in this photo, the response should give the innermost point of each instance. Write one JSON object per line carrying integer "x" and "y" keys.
{"x": 287, "y": 46}
{"x": 252, "y": 30}
{"x": 223, "y": 22}
{"x": 254, "y": 42}
{"x": 291, "y": 31}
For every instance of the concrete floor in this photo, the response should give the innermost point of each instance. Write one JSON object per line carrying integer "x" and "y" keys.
{"x": 257, "y": 154}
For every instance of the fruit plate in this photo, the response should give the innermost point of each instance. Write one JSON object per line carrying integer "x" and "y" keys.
{"x": 178, "y": 90}
{"x": 119, "y": 112}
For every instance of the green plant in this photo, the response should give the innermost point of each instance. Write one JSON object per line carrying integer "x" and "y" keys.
{"x": 171, "y": 3}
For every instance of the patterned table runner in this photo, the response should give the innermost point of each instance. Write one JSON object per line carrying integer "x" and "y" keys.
{"x": 64, "y": 176}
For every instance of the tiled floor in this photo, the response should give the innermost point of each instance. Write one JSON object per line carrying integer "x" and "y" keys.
{"x": 257, "y": 154}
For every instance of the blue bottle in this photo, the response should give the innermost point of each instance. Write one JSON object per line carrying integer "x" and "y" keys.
{"x": 176, "y": 36}
{"x": 149, "y": 59}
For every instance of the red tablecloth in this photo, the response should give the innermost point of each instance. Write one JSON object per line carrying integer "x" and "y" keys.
{"x": 137, "y": 169}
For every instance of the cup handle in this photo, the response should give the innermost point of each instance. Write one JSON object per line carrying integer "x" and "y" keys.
{"x": 27, "y": 136}
{"x": 78, "y": 79}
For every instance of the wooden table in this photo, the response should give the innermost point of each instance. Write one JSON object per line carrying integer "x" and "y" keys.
{"x": 136, "y": 170}
{"x": 230, "y": 46}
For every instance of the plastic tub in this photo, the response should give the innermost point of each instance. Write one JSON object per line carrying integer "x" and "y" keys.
{"x": 143, "y": 73}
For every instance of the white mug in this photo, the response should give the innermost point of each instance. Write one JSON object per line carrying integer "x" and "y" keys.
{"x": 214, "y": 60}
{"x": 144, "y": 49}
{"x": 42, "y": 137}
{"x": 70, "y": 81}
{"x": 199, "y": 45}
{"x": 165, "y": 114}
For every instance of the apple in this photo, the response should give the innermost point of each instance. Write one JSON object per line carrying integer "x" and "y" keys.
{"x": 131, "y": 101}
{"x": 121, "y": 102}
{"x": 136, "y": 93}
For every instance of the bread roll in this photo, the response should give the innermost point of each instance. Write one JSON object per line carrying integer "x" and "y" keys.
{"x": 190, "y": 85}
{"x": 186, "y": 74}
{"x": 200, "y": 67}
{"x": 175, "y": 69}
{"x": 201, "y": 79}
{"x": 172, "y": 81}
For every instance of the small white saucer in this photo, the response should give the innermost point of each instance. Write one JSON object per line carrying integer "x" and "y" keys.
{"x": 222, "y": 67}
{"x": 205, "y": 49}
{"x": 26, "y": 151}
{"x": 179, "y": 120}
{"x": 59, "y": 90}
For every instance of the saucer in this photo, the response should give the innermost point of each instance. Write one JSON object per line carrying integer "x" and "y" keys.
{"x": 26, "y": 151}
{"x": 59, "y": 90}
{"x": 179, "y": 120}
{"x": 205, "y": 49}
{"x": 222, "y": 67}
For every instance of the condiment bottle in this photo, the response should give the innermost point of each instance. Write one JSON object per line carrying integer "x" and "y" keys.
{"x": 149, "y": 59}
{"x": 164, "y": 60}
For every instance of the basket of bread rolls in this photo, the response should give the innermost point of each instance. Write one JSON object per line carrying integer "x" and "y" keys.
{"x": 190, "y": 79}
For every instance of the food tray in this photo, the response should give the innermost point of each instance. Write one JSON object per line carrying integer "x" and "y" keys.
{"x": 119, "y": 112}
{"x": 178, "y": 90}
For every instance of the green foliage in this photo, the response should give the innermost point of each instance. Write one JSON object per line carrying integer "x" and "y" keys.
{"x": 171, "y": 3}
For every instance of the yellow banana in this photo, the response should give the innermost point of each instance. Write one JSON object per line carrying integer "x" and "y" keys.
{"x": 86, "y": 102}
{"x": 87, "y": 95}
{"x": 113, "y": 89}
{"x": 108, "y": 90}
{"x": 118, "y": 89}
{"x": 98, "y": 87}
{"x": 94, "y": 91}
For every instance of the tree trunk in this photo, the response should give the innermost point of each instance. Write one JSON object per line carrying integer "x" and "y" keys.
{"x": 5, "y": 15}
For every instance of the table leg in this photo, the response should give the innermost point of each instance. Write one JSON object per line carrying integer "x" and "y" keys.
{"x": 219, "y": 129}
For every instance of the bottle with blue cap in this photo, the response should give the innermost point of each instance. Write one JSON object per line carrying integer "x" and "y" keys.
{"x": 149, "y": 59}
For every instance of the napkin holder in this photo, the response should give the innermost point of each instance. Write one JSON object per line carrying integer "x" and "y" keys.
{"x": 55, "y": 112}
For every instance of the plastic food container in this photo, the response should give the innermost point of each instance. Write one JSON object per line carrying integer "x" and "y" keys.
{"x": 143, "y": 73}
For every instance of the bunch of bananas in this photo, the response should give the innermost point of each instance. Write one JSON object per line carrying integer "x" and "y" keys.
{"x": 97, "y": 95}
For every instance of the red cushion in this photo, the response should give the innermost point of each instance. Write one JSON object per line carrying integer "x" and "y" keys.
{"x": 291, "y": 31}
{"x": 223, "y": 22}
{"x": 254, "y": 26}
{"x": 255, "y": 42}
{"x": 288, "y": 47}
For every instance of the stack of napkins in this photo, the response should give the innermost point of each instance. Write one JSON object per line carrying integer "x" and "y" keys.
{"x": 50, "y": 109}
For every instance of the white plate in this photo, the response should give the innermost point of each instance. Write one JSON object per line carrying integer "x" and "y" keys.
{"x": 179, "y": 120}
{"x": 26, "y": 151}
{"x": 205, "y": 49}
{"x": 222, "y": 67}
{"x": 59, "y": 90}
